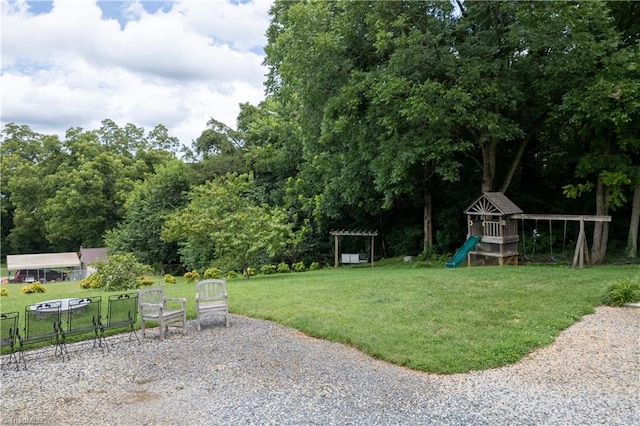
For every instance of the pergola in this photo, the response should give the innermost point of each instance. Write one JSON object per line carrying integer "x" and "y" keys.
{"x": 337, "y": 234}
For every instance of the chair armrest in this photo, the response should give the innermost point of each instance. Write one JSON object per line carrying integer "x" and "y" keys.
{"x": 151, "y": 305}
{"x": 182, "y": 300}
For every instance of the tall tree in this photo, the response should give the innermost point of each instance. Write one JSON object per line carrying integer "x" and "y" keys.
{"x": 221, "y": 226}
{"x": 217, "y": 151}
{"x": 605, "y": 114}
{"x": 26, "y": 159}
{"x": 516, "y": 61}
{"x": 60, "y": 195}
{"x": 375, "y": 119}
{"x": 147, "y": 208}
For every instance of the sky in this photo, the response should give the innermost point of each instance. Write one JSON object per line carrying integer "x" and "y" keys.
{"x": 74, "y": 63}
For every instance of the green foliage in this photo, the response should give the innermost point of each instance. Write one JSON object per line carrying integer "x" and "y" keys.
{"x": 268, "y": 269}
{"x": 67, "y": 193}
{"x": 33, "y": 288}
{"x": 314, "y": 266}
{"x": 147, "y": 207}
{"x": 145, "y": 281}
{"x": 212, "y": 273}
{"x": 283, "y": 268}
{"x": 93, "y": 281}
{"x": 4, "y": 292}
{"x": 249, "y": 272}
{"x": 121, "y": 271}
{"x": 222, "y": 218}
{"x": 192, "y": 276}
{"x": 431, "y": 258}
{"x": 169, "y": 279}
{"x": 622, "y": 292}
{"x": 232, "y": 274}
{"x": 298, "y": 267}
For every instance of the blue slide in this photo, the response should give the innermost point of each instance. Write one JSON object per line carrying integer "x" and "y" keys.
{"x": 461, "y": 254}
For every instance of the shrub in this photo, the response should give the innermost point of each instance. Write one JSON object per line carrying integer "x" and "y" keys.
{"x": 3, "y": 292}
{"x": 283, "y": 268}
{"x": 232, "y": 274}
{"x": 191, "y": 276}
{"x": 169, "y": 279}
{"x": 268, "y": 269}
{"x": 92, "y": 281}
{"x": 33, "y": 288}
{"x": 298, "y": 267}
{"x": 249, "y": 272}
{"x": 622, "y": 292}
{"x": 145, "y": 281}
{"x": 121, "y": 271}
{"x": 314, "y": 266}
{"x": 212, "y": 273}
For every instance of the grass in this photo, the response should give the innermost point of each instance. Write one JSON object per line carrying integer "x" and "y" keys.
{"x": 432, "y": 319}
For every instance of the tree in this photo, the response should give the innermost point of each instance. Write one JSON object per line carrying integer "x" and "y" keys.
{"x": 26, "y": 159}
{"x": 222, "y": 226}
{"x": 146, "y": 210}
{"x": 604, "y": 115}
{"x": 516, "y": 61}
{"x": 60, "y": 195}
{"x": 217, "y": 151}
{"x": 374, "y": 118}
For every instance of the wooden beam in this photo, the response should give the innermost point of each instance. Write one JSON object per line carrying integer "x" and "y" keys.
{"x": 569, "y": 217}
{"x": 356, "y": 233}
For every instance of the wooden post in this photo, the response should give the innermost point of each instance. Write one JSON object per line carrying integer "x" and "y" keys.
{"x": 373, "y": 238}
{"x": 578, "y": 256}
{"x": 336, "y": 247}
{"x": 586, "y": 251}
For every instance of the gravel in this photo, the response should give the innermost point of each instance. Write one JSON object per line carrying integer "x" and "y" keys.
{"x": 258, "y": 372}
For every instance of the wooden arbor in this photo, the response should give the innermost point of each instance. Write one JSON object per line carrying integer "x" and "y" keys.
{"x": 337, "y": 234}
{"x": 490, "y": 217}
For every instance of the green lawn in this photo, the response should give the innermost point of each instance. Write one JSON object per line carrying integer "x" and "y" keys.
{"x": 431, "y": 319}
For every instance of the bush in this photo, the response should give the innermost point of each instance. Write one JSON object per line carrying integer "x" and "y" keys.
{"x": 622, "y": 292}
{"x": 283, "y": 268}
{"x": 121, "y": 271}
{"x": 92, "y": 281}
{"x": 145, "y": 281}
{"x": 192, "y": 276}
{"x": 33, "y": 288}
{"x": 3, "y": 292}
{"x": 298, "y": 267}
{"x": 249, "y": 272}
{"x": 232, "y": 274}
{"x": 268, "y": 269}
{"x": 169, "y": 279}
{"x": 212, "y": 273}
{"x": 314, "y": 266}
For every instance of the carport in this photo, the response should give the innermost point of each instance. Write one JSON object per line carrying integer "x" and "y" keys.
{"x": 34, "y": 262}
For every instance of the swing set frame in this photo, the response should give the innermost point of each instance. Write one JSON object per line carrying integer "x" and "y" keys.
{"x": 581, "y": 252}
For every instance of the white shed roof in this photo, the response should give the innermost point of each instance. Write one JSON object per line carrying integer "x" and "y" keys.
{"x": 42, "y": 260}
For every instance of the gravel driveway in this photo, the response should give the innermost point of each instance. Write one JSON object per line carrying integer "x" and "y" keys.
{"x": 257, "y": 372}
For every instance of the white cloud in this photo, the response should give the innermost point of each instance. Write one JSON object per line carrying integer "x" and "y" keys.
{"x": 177, "y": 66}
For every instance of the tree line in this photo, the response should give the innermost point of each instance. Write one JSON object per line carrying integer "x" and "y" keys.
{"x": 392, "y": 116}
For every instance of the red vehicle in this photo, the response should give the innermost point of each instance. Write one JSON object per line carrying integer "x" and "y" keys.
{"x": 42, "y": 275}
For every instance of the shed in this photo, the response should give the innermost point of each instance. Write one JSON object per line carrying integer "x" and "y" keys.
{"x": 489, "y": 218}
{"x": 88, "y": 255}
